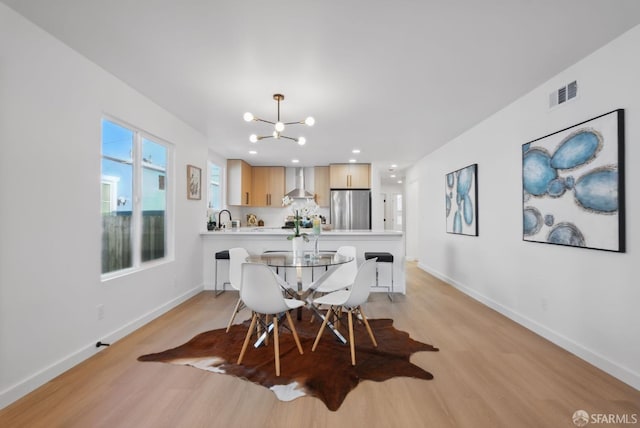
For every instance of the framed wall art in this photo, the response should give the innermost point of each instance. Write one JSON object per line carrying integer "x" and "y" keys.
{"x": 194, "y": 182}
{"x": 573, "y": 185}
{"x": 461, "y": 201}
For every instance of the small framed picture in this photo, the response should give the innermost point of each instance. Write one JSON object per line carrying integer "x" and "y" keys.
{"x": 194, "y": 181}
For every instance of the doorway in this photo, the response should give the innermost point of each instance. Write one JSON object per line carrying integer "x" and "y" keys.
{"x": 393, "y": 211}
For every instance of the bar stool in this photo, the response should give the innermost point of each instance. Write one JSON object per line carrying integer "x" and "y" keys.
{"x": 382, "y": 257}
{"x": 220, "y": 255}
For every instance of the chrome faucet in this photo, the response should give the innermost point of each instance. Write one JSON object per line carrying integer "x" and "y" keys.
{"x": 220, "y": 215}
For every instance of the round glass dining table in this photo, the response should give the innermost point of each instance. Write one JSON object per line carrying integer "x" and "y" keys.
{"x": 287, "y": 259}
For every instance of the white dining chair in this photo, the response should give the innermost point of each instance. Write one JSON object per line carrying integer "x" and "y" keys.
{"x": 350, "y": 300}
{"x": 237, "y": 257}
{"x": 339, "y": 278}
{"x": 261, "y": 292}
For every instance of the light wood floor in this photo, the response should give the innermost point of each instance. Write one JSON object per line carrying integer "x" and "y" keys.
{"x": 490, "y": 372}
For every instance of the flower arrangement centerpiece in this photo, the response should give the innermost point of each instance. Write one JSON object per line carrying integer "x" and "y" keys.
{"x": 299, "y": 210}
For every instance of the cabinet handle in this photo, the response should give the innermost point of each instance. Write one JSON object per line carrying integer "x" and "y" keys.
{"x": 268, "y": 199}
{"x": 247, "y": 198}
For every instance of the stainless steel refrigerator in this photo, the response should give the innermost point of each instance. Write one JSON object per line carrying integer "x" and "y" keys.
{"x": 350, "y": 209}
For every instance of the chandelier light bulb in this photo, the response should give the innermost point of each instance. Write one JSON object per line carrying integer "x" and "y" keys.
{"x": 253, "y": 138}
{"x": 309, "y": 121}
{"x": 302, "y": 141}
{"x": 248, "y": 117}
{"x": 279, "y": 126}
{"x": 276, "y": 134}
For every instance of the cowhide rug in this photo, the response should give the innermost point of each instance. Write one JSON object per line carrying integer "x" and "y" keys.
{"x": 326, "y": 373}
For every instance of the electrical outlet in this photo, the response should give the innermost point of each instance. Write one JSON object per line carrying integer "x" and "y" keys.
{"x": 100, "y": 311}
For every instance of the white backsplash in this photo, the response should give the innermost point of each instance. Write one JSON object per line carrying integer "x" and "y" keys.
{"x": 272, "y": 217}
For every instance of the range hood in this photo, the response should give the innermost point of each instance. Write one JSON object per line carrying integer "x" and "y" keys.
{"x": 299, "y": 191}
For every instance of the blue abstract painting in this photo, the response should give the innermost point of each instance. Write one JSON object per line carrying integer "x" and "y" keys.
{"x": 461, "y": 201}
{"x": 573, "y": 185}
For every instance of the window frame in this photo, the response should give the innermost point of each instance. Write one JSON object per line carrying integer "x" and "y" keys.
{"x": 220, "y": 184}
{"x": 139, "y": 135}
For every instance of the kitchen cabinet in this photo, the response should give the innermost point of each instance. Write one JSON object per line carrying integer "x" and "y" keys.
{"x": 350, "y": 176}
{"x": 239, "y": 181}
{"x": 321, "y": 185}
{"x": 267, "y": 188}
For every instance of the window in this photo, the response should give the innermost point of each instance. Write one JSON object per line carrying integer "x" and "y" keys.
{"x": 214, "y": 188}
{"x": 133, "y": 197}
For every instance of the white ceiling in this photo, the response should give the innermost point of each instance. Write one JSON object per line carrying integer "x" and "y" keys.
{"x": 396, "y": 79}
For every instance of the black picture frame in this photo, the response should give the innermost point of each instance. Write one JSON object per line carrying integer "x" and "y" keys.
{"x": 461, "y": 201}
{"x": 573, "y": 186}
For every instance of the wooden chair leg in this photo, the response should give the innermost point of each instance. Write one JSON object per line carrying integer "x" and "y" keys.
{"x": 366, "y": 324}
{"x": 324, "y": 324}
{"x": 276, "y": 344}
{"x": 235, "y": 312}
{"x": 247, "y": 337}
{"x": 352, "y": 344}
{"x": 266, "y": 322}
{"x": 258, "y": 326}
{"x": 295, "y": 333}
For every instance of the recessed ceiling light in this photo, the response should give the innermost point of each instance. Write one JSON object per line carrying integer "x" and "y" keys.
{"x": 356, "y": 151}
{"x": 393, "y": 176}
{"x": 252, "y": 152}
{"x": 295, "y": 160}
{"x": 399, "y": 181}
{"x": 394, "y": 166}
{"x": 352, "y": 160}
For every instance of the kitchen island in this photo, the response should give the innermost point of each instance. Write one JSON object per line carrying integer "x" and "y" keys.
{"x": 257, "y": 240}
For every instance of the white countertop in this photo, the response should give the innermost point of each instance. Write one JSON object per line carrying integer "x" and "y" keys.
{"x": 280, "y": 231}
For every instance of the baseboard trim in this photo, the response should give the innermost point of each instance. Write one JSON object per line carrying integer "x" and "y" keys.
{"x": 611, "y": 367}
{"x": 22, "y": 388}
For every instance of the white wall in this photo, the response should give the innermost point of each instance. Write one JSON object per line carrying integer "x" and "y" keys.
{"x": 584, "y": 300}
{"x": 413, "y": 217}
{"x": 51, "y": 103}
{"x": 377, "y": 203}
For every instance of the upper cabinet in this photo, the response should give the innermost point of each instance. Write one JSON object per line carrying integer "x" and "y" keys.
{"x": 239, "y": 182}
{"x": 267, "y": 189}
{"x": 350, "y": 176}
{"x": 322, "y": 189}
{"x": 265, "y": 186}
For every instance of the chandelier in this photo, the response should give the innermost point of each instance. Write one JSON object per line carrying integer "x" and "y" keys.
{"x": 278, "y": 125}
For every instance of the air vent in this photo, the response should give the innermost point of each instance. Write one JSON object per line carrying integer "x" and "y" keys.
{"x": 563, "y": 94}
{"x": 572, "y": 90}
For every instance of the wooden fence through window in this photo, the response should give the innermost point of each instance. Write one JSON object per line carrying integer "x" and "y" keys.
{"x": 116, "y": 239}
